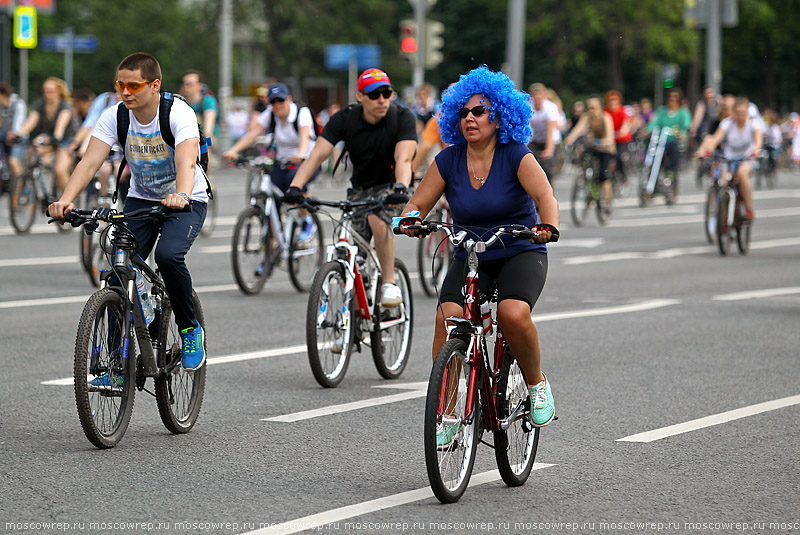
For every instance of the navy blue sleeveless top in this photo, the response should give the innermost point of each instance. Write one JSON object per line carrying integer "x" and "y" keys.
{"x": 500, "y": 201}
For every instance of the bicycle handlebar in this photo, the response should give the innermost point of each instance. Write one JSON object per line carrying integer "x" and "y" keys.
{"x": 313, "y": 204}
{"x": 78, "y": 217}
{"x": 461, "y": 241}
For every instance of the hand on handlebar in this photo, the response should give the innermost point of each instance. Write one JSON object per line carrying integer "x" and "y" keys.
{"x": 400, "y": 225}
{"x": 58, "y": 209}
{"x": 294, "y": 195}
{"x": 545, "y": 233}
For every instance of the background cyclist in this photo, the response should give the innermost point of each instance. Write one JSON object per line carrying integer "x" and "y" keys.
{"x": 491, "y": 178}
{"x": 380, "y": 138}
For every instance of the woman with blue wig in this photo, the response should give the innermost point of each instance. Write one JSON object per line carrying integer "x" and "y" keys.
{"x": 491, "y": 179}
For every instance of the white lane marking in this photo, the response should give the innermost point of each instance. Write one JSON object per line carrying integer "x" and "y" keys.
{"x": 605, "y": 311}
{"x": 83, "y": 298}
{"x": 42, "y": 261}
{"x": 580, "y": 243}
{"x": 694, "y": 219}
{"x": 708, "y": 421}
{"x": 213, "y": 249}
{"x": 211, "y": 361}
{"x": 671, "y": 253}
{"x": 757, "y": 294}
{"x": 35, "y": 229}
{"x": 343, "y": 513}
{"x": 417, "y": 389}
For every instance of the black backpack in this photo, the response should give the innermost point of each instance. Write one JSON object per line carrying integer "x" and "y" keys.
{"x": 316, "y": 129}
{"x": 164, "y": 107}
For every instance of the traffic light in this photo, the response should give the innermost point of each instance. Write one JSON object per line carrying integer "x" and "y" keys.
{"x": 433, "y": 43}
{"x": 408, "y": 39}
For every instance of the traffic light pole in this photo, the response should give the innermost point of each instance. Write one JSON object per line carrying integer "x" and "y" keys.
{"x": 714, "y": 46}
{"x": 420, "y": 13}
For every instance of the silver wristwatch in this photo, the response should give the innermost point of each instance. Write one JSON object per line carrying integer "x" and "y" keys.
{"x": 185, "y": 196}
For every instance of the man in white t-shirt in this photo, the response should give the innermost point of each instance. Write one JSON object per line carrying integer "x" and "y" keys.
{"x": 544, "y": 123}
{"x": 292, "y": 129}
{"x": 160, "y": 175}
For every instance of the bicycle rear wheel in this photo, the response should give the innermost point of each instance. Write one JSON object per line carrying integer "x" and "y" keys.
{"x": 514, "y": 447}
{"x": 581, "y": 199}
{"x": 390, "y": 339}
{"x": 22, "y": 202}
{"x": 305, "y": 257}
{"x": 330, "y": 331}
{"x": 252, "y": 247}
{"x": 179, "y": 393}
{"x": 723, "y": 230}
{"x": 104, "y": 408}
{"x": 449, "y": 460}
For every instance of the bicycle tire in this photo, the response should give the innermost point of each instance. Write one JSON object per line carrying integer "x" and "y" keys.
{"x": 514, "y": 448}
{"x": 179, "y": 394}
{"x": 307, "y": 257}
{"x": 85, "y": 250}
{"x": 723, "y": 230}
{"x": 251, "y": 249}
{"x": 743, "y": 232}
{"x": 104, "y": 420}
{"x": 711, "y": 214}
{"x": 580, "y": 199}
{"x": 450, "y": 467}
{"x": 434, "y": 256}
{"x": 329, "y": 321}
{"x": 22, "y": 203}
{"x": 391, "y": 346}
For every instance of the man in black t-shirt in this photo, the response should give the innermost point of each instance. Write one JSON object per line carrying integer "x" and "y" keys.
{"x": 381, "y": 139}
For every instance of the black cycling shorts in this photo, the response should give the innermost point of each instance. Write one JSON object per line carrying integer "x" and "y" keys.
{"x": 520, "y": 277}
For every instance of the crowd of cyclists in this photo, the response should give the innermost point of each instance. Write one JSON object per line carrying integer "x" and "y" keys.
{"x": 510, "y": 142}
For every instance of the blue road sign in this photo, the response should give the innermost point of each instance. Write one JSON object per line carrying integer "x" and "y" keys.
{"x": 60, "y": 42}
{"x": 338, "y": 57}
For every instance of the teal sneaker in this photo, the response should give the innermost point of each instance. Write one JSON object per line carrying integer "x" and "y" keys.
{"x": 192, "y": 354}
{"x": 445, "y": 435}
{"x": 106, "y": 382}
{"x": 543, "y": 407}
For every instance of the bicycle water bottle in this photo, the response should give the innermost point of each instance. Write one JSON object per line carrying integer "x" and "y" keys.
{"x": 486, "y": 317}
{"x": 144, "y": 299}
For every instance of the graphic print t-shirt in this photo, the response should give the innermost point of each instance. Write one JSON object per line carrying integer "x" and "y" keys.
{"x": 151, "y": 160}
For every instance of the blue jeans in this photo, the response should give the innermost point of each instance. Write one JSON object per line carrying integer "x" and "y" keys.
{"x": 177, "y": 236}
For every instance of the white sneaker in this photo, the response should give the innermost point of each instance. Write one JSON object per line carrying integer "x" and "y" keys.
{"x": 391, "y": 296}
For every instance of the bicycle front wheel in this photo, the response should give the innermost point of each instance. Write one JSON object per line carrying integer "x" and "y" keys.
{"x": 514, "y": 447}
{"x": 306, "y": 256}
{"x": 723, "y": 224}
{"x": 22, "y": 203}
{"x": 581, "y": 199}
{"x": 434, "y": 256}
{"x": 450, "y": 439}
{"x": 105, "y": 376}
{"x": 330, "y": 331}
{"x": 252, "y": 245}
{"x": 390, "y": 339}
{"x": 179, "y": 393}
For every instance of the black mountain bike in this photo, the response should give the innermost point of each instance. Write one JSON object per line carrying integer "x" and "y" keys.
{"x": 108, "y": 369}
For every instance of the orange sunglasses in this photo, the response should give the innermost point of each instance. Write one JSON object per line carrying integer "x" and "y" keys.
{"x": 133, "y": 87}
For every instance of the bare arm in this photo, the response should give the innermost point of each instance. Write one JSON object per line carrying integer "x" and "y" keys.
{"x": 699, "y": 111}
{"x": 96, "y": 154}
{"x": 425, "y": 147}
{"x": 549, "y": 145}
{"x": 29, "y": 124}
{"x": 209, "y": 118}
{"x": 533, "y": 179}
{"x": 303, "y": 135}
{"x": 321, "y": 151}
{"x": 578, "y": 130}
{"x": 608, "y": 138}
{"x": 245, "y": 141}
{"x": 62, "y": 121}
{"x": 710, "y": 142}
{"x": 185, "y": 161}
{"x": 403, "y": 154}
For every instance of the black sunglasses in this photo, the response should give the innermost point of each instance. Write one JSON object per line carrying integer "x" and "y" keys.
{"x": 277, "y": 100}
{"x": 378, "y": 93}
{"x": 477, "y": 111}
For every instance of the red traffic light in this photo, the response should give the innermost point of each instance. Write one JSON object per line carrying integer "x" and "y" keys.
{"x": 408, "y": 45}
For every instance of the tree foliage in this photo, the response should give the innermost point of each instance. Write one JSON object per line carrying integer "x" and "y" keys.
{"x": 577, "y": 46}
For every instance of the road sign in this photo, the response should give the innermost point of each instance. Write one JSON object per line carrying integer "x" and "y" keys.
{"x": 60, "y": 43}
{"x": 338, "y": 57}
{"x": 25, "y": 27}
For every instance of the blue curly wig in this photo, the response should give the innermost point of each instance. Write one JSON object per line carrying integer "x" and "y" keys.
{"x": 506, "y": 102}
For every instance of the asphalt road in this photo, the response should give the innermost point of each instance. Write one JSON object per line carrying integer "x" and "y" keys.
{"x": 643, "y": 326}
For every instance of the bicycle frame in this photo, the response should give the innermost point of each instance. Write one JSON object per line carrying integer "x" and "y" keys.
{"x": 282, "y": 232}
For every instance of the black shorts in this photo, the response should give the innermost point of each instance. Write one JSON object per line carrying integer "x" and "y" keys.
{"x": 520, "y": 277}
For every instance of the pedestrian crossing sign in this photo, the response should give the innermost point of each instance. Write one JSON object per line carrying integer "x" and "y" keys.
{"x": 25, "y": 27}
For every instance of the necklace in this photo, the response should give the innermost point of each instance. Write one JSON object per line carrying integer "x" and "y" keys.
{"x": 482, "y": 180}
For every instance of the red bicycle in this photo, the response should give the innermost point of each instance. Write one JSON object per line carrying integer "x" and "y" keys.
{"x": 472, "y": 390}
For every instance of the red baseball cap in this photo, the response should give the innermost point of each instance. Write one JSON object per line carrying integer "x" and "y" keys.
{"x": 372, "y": 79}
